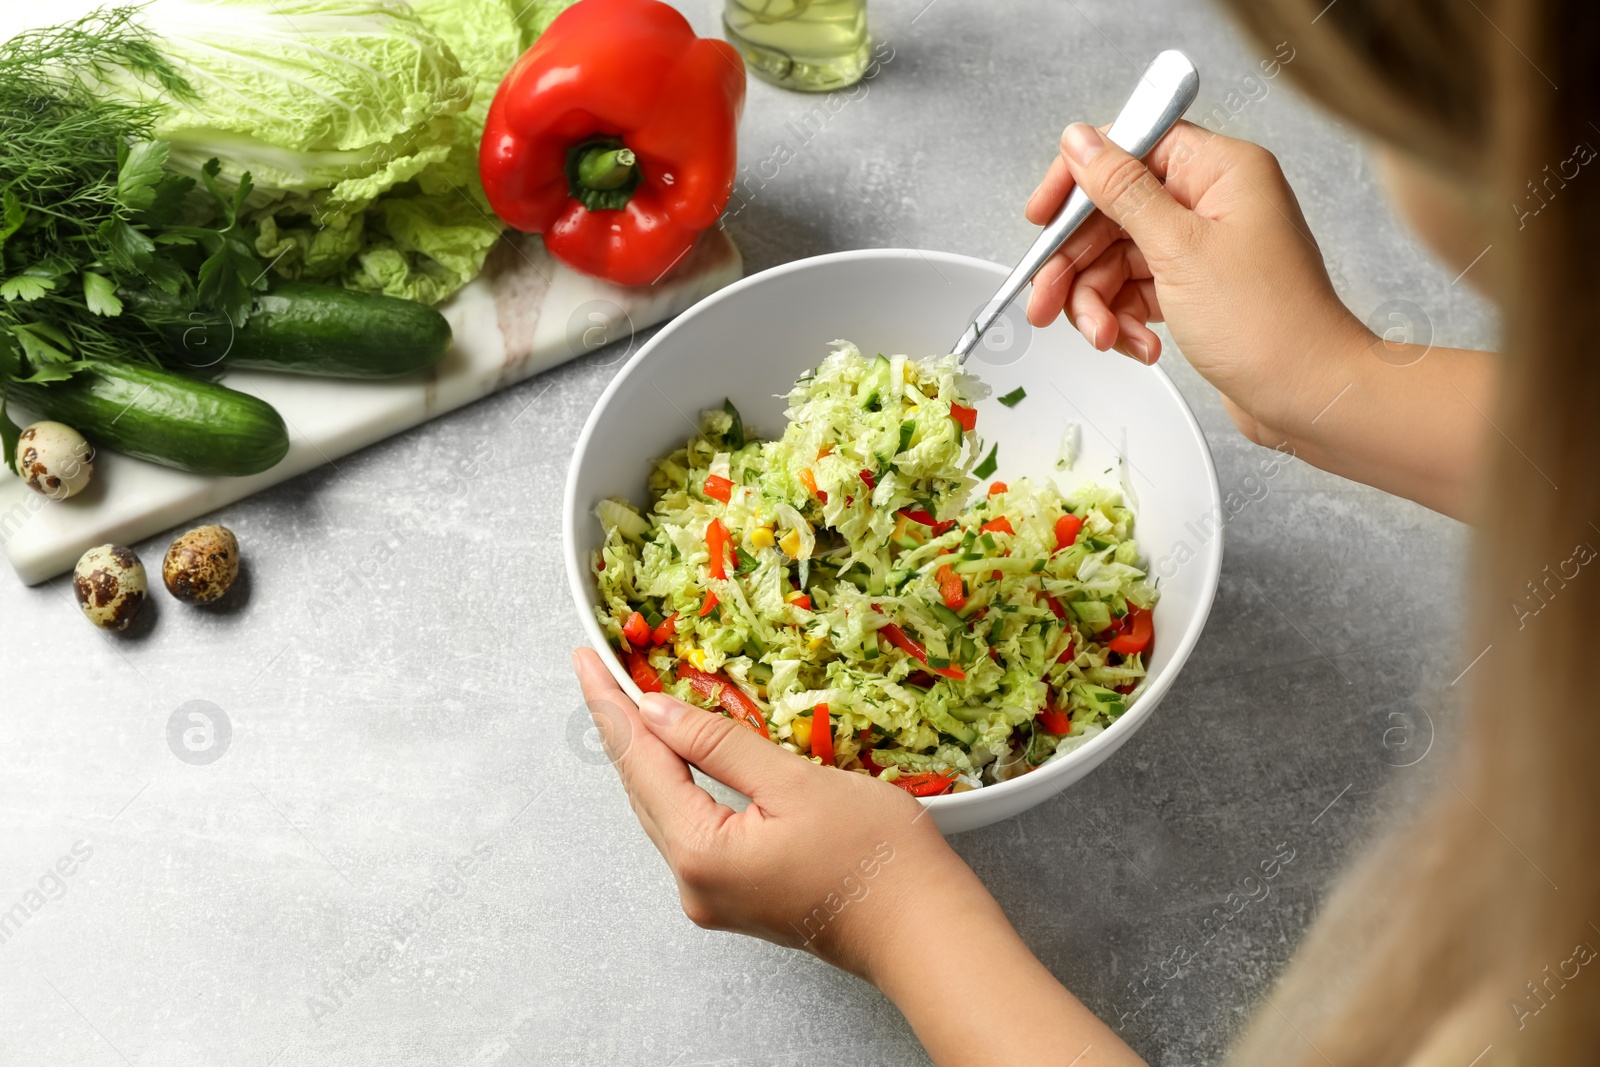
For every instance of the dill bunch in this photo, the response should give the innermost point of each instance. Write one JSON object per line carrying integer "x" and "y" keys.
{"x": 88, "y": 209}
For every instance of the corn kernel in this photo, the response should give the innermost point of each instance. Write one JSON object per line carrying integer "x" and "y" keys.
{"x": 816, "y": 642}
{"x": 790, "y": 543}
{"x": 761, "y": 537}
{"x": 698, "y": 658}
{"x": 802, "y": 733}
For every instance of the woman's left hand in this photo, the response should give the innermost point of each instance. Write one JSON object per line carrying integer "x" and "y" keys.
{"x": 823, "y": 860}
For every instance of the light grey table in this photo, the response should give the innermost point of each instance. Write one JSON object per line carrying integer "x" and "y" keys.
{"x": 407, "y": 854}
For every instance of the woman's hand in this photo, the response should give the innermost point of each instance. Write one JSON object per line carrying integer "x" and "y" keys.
{"x": 823, "y": 860}
{"x": 1221, "y": 253}
{"x": 843, "y": 866}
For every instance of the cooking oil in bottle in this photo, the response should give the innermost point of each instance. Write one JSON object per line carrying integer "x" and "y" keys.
{"x": 812, "y": 45}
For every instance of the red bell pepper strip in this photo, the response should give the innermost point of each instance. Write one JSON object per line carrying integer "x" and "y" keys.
{"x": 871, "y": 482}
{"x": 1000, "y": 525}
{"x": 865, "y": 753}
{"x": 897, "y": 637}
{"x": 913, "y": 648}
{"x": 718, "y": 488}
{"x": 926, "y": 783}
{"x": 801, "y": 601}
{"x": 663, "y": 633}
{"x": 644, "y": 676}
{"x": 920, "y": 515}
{"x": 733, "y": 700}
{"x": 614, "y": 136}
{"x": 952, "y": 588}
{"x": 965, "y": 417}
{"x": 709, "y": 604}
{"x": 1067, "y": 527}
{"x": 1138, "y": 629}
{"x": 1054, "y": 720}
{"x": 637, "y": 630}
{"x": 717, "y": 541}
{"x": 1056, "y": 607}
{"x": 822, "y": 735}
{"x": 996, "y": 488}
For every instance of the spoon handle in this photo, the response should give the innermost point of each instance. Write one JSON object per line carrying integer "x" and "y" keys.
{"x": 1165, "y": 90}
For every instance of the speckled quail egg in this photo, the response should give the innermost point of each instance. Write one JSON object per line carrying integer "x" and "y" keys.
{"x": 201, "y": 565}
{"x": 110, "y": 585}
{"x": 54, "y": 459}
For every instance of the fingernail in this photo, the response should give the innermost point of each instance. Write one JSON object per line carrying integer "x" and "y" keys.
{"x": 1140, "y": 348}
{"x": 1082, "y": 142}
{"x": 1087, "y": 327}
{"x": 660, "y": 711}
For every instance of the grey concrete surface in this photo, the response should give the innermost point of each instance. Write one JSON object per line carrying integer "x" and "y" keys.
{"x": 407, "y": 855}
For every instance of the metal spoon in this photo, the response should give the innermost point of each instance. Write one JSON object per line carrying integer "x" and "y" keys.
{"x": 1165, "y": 90}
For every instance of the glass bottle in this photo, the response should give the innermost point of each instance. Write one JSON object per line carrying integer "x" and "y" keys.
{"x": 812, "y": 45}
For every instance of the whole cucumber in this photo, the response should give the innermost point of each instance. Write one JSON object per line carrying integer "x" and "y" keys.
{"x": 305, "y": 328}
{"x": 164, "y": 417}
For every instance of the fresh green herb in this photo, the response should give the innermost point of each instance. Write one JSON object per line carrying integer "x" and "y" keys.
{"x": 89, "y": 209}
{"x": 1015, "y": 397}
{"x": 990, "y": 464}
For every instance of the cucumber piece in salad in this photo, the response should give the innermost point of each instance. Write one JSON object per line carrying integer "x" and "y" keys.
{"x": 954, "y": 642}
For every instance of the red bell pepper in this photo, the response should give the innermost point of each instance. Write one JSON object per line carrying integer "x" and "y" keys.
{"x": 1138, "y": 629}
{"x": 644, "y": 676}
{"x": 663, "y": 633}
{"x": 952, "y": 588}
{"x": 1000, "y": 525}
{"x": 996, "y": 488}
{"x": 1054, "y": 720}
{"x": 717, "y": 541}
{"x": 865, "y": 753}
{"x": 920, "y": 515}
{"x": 636, "y": 630}
{"x": 718, "y": 488}
{"x": 1067, "y": 527}
{"x": 926, "y": 783}
{"x": 913, "y": 648}
{"x": 801, "y": 601}
{"x": 614, "y": 136}
{"x": 709, "y": 604}
{"x": 733, "y": 700}
{"x": 1057, "y": 609}
{"x": 822, "y": 735}
{"x": 965, "y": 417}
{"x": 871, "y": 482}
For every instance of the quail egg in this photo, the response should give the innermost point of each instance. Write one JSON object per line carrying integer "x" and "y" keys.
{"x": 109, "y": 582}
{"x": 201, "y": 565}
{"x": 54, "y": 459}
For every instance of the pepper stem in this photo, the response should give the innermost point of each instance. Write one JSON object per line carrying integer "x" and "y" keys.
{"x": 604, "y": 168}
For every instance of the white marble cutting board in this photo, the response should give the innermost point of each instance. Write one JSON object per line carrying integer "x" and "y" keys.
{"x": 525, "y": 314}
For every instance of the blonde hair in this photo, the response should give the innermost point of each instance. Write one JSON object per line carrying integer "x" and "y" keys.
{"x": 1462, "y": 906}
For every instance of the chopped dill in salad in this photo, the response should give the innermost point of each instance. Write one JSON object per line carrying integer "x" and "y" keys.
{"x": 837, "y": 591}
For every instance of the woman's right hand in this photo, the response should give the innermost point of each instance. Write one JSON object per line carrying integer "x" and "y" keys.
{"x": 1220, "y": 252}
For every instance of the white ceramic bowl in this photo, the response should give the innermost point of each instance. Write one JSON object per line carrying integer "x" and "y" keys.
{"x": 751, "y": 340}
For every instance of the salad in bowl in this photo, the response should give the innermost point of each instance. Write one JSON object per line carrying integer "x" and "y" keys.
{"x": 857, "y": 590}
